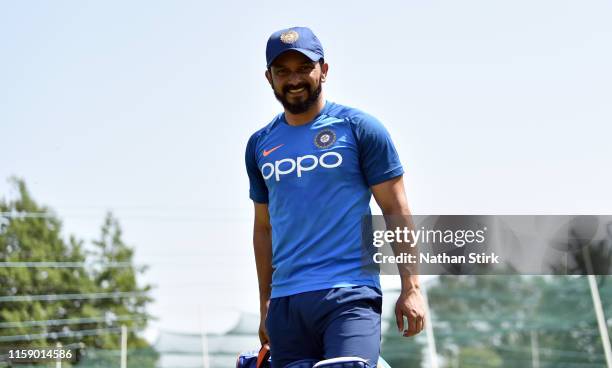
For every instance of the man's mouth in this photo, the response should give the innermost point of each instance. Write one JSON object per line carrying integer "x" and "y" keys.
{"x": 296, "y": 90}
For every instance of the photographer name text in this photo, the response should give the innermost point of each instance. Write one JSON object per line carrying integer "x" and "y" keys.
{"x": 441, "y": 258}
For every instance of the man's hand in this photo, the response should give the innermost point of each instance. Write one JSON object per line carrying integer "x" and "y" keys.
{"x": 263, "y": 333}
{"x": 391, "y": 198}
{"x": 412, "y": 305}
{"x": 262, "y": 244}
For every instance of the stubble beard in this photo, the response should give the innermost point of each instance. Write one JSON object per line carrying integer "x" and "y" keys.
{"x": 301, "y": 106}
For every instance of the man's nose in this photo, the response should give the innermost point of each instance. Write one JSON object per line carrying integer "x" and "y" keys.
{"x": 294, "y": 78}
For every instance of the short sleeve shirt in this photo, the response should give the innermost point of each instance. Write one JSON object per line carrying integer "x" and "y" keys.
{"x": 316, "y": 181}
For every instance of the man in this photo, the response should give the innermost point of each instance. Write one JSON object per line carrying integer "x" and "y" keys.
{"x": 312, "y": 172}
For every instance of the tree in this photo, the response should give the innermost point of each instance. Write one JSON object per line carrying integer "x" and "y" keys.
{"x": 506, "y": 314}
{"x": 30, "y": 234}
{"x": 111, "y": 251}
{"x": 397, "y": 350}
{"x": 37, "y": 239}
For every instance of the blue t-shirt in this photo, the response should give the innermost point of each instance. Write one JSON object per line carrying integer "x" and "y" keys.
{"x": 315, "y": 179}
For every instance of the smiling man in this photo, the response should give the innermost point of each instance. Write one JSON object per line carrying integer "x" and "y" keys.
{"x": 312, "y": 172}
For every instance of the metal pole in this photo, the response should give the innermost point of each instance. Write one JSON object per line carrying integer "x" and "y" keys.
{"x": 58, "y": 362}
{"x": 601, "y": 320}
{"x": 123, "y": 346}
{"x": 205, "y": 358}
{"x": 535, "y": 350}
{"x": 431, "y": 339}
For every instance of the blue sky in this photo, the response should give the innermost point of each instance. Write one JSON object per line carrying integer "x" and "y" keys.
{"x": 145, "y": 107}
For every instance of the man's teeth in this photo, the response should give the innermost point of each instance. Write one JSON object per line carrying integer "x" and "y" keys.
{"x": 297, "y": 90}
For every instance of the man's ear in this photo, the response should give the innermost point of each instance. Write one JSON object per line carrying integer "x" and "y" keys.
{"x": 269, "y": 77}
{"x": 324, "y": 69}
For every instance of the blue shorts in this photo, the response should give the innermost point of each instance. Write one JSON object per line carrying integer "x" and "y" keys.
{"x": 325, "y": 324}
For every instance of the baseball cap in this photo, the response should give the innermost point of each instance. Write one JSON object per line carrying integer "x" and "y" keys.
{"x": 300, "y": 39}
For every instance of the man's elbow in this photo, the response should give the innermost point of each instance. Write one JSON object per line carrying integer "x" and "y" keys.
{"x": 262, "y": 228}
{"x": 395, "y": 208}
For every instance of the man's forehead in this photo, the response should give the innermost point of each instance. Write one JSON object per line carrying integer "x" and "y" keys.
{"x": 291, "y": 57}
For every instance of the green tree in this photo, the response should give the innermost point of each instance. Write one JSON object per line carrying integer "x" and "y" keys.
{"x": 397, "y": 350}
{"x": 507, "y": 314}
{"x": 29, "y": 233}
{"x": 35, "y": 238}
{"x": 470, "y": 357}
{"x": 111, "y": 252}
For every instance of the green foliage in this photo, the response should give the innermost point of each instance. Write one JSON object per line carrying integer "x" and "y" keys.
{"x": 39, "y": 239}
{"x": 500, "y": 321}
{"x": 104, "y": 358}
{"x": 112, "y": 250}
{"x": 400, "y": 351}
{"x": 479, "y": 357}
{"x": 501, "y": 316}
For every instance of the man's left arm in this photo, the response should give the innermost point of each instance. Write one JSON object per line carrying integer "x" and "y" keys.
{"x": 391, "y": 199}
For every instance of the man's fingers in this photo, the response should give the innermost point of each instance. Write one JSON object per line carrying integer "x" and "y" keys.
{"x": 416, "y": 324}
{"x": 399, "y": 319}
{"x": 419, "y": 324}
{"x": 409, "y": 333}
{"x": 412, "y": 323}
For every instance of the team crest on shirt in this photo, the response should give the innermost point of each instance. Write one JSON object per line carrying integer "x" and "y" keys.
{"x": 325, "y": 138}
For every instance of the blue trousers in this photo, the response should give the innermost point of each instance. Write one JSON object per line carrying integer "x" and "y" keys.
{"x": 325, "y": 324}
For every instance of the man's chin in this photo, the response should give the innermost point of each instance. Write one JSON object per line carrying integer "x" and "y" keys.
{"x": 296, "y": 108}
{"x": 299, "y": 99}
{"x": 296, "y": 105}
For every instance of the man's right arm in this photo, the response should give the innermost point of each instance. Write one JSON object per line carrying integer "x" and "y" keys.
{"x": 262, "y": 245}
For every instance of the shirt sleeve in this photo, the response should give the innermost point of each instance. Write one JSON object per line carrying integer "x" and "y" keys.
{"x": 377, "y": 155}
{"x": 258, "y": 191}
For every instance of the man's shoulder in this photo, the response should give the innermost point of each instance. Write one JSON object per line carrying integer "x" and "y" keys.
{"x": 342, "y": 111}
{"x": 354, "y": 116}
{"x": 265, "y": 129}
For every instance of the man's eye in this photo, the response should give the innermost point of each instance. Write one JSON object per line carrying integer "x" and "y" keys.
{"x": 305, "y": 69}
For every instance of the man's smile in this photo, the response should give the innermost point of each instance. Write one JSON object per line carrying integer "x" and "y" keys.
{"x": 296, "y": 90}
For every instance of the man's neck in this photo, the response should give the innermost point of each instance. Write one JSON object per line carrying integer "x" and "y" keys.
{"x": 305, "y": 117}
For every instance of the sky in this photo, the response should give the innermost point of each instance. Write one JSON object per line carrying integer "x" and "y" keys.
{"x": 144, "y": 108}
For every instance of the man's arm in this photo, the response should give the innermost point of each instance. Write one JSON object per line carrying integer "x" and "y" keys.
{"x": 391, "y": 199}
{"x": 262, "y": 245}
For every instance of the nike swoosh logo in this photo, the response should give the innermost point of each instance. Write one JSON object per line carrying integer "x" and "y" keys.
{"x": 267, "y": 152}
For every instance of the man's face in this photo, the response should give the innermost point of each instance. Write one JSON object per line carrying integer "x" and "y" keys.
{"x": 296, "y": 81}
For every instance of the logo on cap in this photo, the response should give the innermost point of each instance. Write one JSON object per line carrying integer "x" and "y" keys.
{"x": 289, "y": 37}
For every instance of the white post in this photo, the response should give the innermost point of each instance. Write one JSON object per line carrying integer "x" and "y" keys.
{"x": 431, "y": 340}
{"x": 124, "y": 346}
{"x": 205, "y": 358}
{"x": 535, "y": 350}
{"x": 58, "y": 362}
{"x": 601, "y": 320}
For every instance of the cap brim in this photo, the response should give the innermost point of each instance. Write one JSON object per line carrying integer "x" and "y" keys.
{"x": 309, "y": 54}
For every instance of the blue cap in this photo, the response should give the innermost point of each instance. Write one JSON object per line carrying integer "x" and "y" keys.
{"x": 295, "y": 38}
